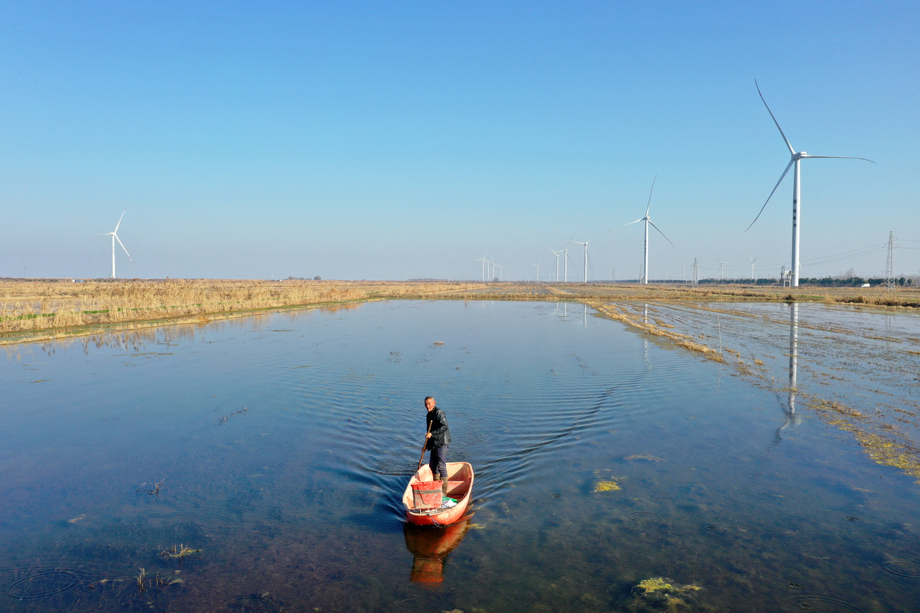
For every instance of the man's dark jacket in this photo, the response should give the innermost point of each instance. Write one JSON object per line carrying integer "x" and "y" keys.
{"x": 440, "y": 433}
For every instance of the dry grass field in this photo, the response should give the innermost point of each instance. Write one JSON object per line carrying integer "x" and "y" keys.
{"x": 39, "y": 310}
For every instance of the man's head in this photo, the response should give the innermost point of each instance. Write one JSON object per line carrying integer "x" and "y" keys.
{"x": 429, "y": 403}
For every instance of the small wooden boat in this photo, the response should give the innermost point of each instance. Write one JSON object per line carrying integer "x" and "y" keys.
{"x": 459, "y": 487}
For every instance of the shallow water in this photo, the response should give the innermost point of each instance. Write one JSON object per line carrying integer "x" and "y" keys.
{"x": 279, "y": 446}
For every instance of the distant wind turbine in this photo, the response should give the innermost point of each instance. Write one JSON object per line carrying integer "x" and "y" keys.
{"x": 648, "y": 222}
{"x": 797, "y": 157}
{"x": 586, "y": 254}
{"x": 556, "y": 254}
{"x": 752, "y": 268}
{"x": 483, "y": 260}
{"x": 114, "y": 235}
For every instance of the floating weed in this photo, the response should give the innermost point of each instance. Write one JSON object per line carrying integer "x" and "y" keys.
{"x": 80, "y": 517}
{"x": 222, "y": 420}
{"x": 605, "y": 486}
{"x": 154, "y": 490}
{"x": 642, "y": 456}
{"x": 178, "y": 552}
{"x": 663, "y": 594}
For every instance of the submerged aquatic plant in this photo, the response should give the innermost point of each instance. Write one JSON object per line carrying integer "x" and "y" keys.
{"x": 153, "y": 491}
{"x": 663, "y": 594}
{"x": 605, "y": 486}
{"x": 179, "y": 551}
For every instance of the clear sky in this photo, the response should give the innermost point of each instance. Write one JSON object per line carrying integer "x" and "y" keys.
{"x": 395, "y": 140}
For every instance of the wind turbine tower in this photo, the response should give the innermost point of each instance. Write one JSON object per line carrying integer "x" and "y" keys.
{"x": 483, "y": 260}
{"x": 586, "y": 255}
{"x": 114, "y": 235}
{"x": 796, "y": 159}
{"x": 557, "y": 254}
{"x": 648, "y": 222}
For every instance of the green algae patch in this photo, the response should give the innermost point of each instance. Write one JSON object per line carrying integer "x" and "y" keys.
{"x": 663, "y": 594}
{"x": 606, "y": 486}
{"x": 643, "y": 456}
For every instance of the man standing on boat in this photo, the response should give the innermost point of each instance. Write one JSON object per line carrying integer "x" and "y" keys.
{"x": 438, "y": 441}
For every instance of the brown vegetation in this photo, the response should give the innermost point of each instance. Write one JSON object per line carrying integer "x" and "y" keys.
{"x": 38, "y": 310}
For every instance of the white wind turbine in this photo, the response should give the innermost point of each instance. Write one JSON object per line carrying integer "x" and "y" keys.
{"x": 648, "y": 222}
{"x": 483, "y": 260}
{"x": 797, "y": 157}
{"x": 114, "y": 235}
{"x": 586, "y": 254}
{"x": 556, "y": 254}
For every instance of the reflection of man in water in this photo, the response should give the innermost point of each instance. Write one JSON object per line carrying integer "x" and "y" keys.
{"x": 438, "y": 441}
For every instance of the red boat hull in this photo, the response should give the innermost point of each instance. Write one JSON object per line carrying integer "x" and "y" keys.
{"x": 459, "y": 487}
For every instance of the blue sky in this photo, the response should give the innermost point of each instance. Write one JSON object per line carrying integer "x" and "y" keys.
{"x": 405, "y": 140}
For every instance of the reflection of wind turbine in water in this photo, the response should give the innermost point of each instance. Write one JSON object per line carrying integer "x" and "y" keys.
{"x": 793, "y": 353}
{"x": 645, "y": 336}
{"x": 789, "y": 411}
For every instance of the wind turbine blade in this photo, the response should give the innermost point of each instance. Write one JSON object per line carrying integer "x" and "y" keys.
{"x": 783, "y": 176}
{"x": 648, "y": 208}
{"x": 119, "y": 220}
{"x": 632, "y": 222}
{"x": 660, "y": 232}
{"x": 122, "y": 245}
{"x": 791, "y": 150}
{"x": 837, "y": 157}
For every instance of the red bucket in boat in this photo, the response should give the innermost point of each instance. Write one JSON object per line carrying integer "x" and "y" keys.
{"x": 426, "y": 494}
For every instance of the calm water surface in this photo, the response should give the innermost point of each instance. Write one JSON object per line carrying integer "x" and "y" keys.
{"x": 279, "y": 447}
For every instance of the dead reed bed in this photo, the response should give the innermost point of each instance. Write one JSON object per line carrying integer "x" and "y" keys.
{"x": 52, "y": 308}
{"x": 36, "y": 309}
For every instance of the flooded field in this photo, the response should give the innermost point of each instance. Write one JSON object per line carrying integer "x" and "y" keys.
{"x": 258, "y": 464}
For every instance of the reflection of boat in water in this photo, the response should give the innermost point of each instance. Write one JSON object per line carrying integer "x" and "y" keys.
{"x": 431, "y": 546}
{"x": 459, "y": 487}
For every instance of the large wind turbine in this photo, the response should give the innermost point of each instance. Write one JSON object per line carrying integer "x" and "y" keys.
{"x": 797, "y": 157}
{"x": 114, "y": 235}
{"x": 648, "y": 222}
